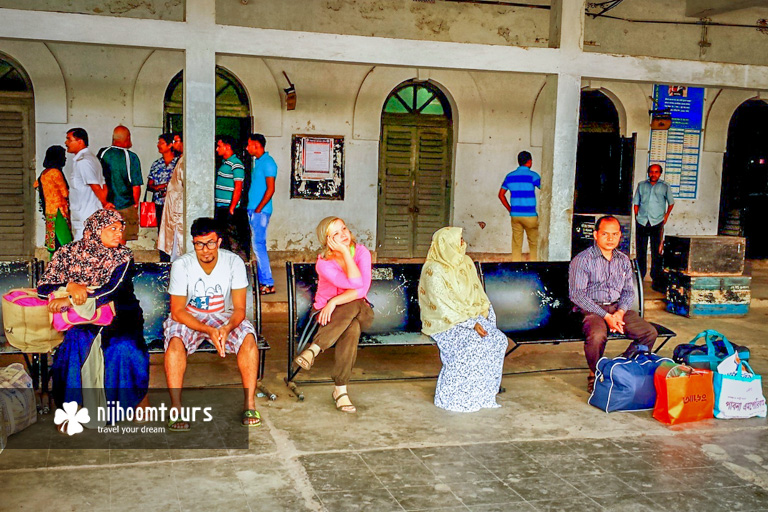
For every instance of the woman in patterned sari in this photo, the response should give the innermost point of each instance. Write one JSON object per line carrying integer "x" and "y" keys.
{"x": 456, "y": 313}
{"x": 54, "y": 199}
{"x": 98, "y": 268}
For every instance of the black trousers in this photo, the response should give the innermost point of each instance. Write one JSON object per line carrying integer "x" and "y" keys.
{"x": 237, "y": 231}
{"x": 642, "y": 235}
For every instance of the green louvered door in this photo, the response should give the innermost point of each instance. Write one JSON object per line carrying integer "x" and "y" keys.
{"x": 414, "y": 187}
{"x": 16, "y": 194}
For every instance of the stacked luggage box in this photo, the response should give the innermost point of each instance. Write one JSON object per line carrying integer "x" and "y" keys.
{"x": 705, "y": 276}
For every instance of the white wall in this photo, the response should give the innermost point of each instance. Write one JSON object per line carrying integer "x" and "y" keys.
{"x": 496, "y": 116}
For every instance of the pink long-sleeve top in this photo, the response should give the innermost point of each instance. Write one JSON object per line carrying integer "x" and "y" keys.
{"x": 333, "y": 281}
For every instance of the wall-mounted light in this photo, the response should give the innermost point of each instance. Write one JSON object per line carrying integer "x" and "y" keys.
{"x": 290, "y": 94}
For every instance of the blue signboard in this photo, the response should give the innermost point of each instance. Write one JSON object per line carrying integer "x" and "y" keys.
{"x": 677, "y": 149}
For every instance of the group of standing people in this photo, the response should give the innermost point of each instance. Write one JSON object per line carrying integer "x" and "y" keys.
{"x": 112, "y": 179}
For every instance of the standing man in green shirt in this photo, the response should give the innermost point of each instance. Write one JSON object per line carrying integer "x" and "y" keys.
{"x": 122, "y": 172}
{"x": 229, "y": 188}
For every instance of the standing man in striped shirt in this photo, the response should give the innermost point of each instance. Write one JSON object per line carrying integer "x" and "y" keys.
{"x": 521, "y": 184}
{"x": 600, "y": 285}
{"x": 229, "y": 188}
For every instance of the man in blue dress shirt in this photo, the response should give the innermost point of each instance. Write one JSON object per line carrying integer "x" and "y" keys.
{"x": 653, "y": 203}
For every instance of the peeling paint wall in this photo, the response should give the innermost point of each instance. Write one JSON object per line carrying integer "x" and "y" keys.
{"x": 100, "y": 83}
{"x": 172, "y": 10}
{"x": 406, "y": 19}
{"x": 725, "y": 44}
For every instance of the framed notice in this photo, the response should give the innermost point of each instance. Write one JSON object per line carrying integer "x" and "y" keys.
{"x": 317, "y": 163}
{"x": 677, "y": 149}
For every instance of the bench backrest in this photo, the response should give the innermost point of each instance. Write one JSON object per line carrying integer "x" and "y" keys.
{"x": 17, "y": 274}
{"x": 151, "y": 287}
{"x": 393, "y": 294}
{"x": 532, "y": 297}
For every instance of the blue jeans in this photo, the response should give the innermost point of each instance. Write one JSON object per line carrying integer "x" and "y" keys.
{"x": 259, "y": 222}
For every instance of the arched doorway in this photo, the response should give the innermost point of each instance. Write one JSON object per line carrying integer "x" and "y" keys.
{"x": 415, "y": 160}
{"x": 233, "y": 112}
{"x": 744, "y": 192}
{"x": 17, "y": 196}
{"x": 604, "y": 169}
{"x": 233, "y": 118}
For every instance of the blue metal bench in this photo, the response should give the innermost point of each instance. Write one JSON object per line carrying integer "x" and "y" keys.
{"x": 530, "y": 300}
{"x": 532, "y": 305}
{"x": 150, "y": 285}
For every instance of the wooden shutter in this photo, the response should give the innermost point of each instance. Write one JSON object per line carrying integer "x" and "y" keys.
{"x": 432, "y": 191}
{"x": 396, "y": 186}
{"x": 414, "y": 188}
{"x": 13, "y": 217}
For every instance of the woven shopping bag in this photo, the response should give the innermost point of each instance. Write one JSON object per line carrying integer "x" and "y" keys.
{"x": 27, "y": 322}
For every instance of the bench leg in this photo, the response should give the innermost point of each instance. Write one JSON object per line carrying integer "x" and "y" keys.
{"x": 262, "y": 357}
{"x": 656, "y": 350}
{"x": 515, "y": 347}
{"x": 295, "y": 389}
{"x": 266, "y": 392}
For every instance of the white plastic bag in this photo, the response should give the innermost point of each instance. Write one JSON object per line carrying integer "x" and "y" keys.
{"x": 739, "y": 395}
{"x": 18, "y": 407}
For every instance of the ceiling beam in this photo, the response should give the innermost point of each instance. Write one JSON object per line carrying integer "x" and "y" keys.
{"x": 377, "y": 51}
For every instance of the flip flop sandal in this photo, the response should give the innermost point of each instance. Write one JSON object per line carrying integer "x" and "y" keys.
{"x": 174, "y": 426}
{"x": 349, "y": 408}
{"x": 248, "y": 415}
{"x": 266, "y": 290}
{"x": 305, "y": 362}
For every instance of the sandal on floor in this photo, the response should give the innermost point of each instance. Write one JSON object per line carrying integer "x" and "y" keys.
{"x": 248, "y": 416}
{"x": 590, "y": 383}
{"x": 351, "y": 409}
{"x": 266, "y": 290}
{"x": 305, "y": 361}
{"x": 176, "y": 426}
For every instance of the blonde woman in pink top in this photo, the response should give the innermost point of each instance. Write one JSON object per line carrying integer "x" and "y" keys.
{"x": 341, "y": 310}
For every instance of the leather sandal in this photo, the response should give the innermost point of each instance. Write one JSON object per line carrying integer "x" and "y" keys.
{"x": 349, "y": 408}
{"x": 304, "y": 360}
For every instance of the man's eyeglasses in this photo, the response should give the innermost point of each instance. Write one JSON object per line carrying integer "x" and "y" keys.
{"x": 210, "y": 244}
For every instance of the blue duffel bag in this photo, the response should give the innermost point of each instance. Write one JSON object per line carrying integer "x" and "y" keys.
{"x": 626, "y": 384}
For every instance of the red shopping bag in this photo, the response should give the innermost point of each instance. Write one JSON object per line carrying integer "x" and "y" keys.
{"x": 683, "y": 394}
{"x": 147, "y": 213}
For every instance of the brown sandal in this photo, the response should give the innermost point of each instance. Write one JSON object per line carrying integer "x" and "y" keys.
{"x": 304, "y": 361}
{"x": 349, "y": 408}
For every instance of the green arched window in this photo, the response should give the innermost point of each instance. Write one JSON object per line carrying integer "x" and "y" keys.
{"x": 233, "y": 114}
{"x": 417, "y": 98}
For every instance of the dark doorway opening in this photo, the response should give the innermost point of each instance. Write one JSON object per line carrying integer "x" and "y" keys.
{"x": 744, "y": 192}
{"x": 604, "y": 170}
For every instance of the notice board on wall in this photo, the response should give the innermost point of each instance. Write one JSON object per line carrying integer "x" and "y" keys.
{"x": 317, "y": 167}
{"x": 678, "y": 148}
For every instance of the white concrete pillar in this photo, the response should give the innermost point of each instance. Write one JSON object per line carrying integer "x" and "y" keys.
{"x": 199, "y": 117}
{"x": 559, "y": 167}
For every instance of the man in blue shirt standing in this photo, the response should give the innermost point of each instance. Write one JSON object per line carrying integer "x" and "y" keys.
{"x": 260, "y": 206}
{"x": 521, "y": 184}
{"x": 653, "y": 203}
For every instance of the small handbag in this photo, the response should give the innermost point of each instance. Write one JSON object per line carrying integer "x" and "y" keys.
{"x": 27, "y": 322}
{"x": 147, "y": 213}
{"x": 64, "y": 320}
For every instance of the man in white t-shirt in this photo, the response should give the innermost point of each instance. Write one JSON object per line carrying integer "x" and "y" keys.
{"x": 208, "y": 294}
{"x": 87, "y": 188}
